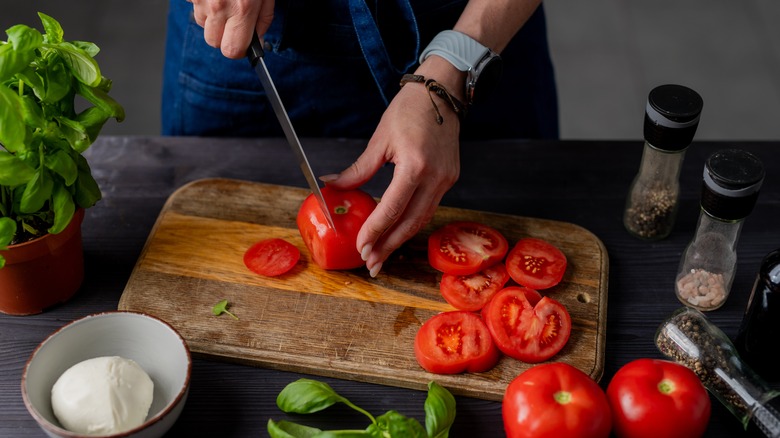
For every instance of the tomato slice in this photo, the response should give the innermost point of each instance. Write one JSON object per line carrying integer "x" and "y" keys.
{"x": 454, "y": 342}
{"x": 465, "y": 248}
{"x": 525, "y": 325}
{"x": 271, "y": 257}
{"x": 472, "y": 292}
{"x": 536, "y": 264}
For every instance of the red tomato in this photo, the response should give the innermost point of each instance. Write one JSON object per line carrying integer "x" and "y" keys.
{"x": 658, "y": 398}
{"x": 555, "y": 400}
{"x": 271, "y": 257}
{"x": 525, "y": 325}
{"x": 454, "y": 342}
{"x": 536, "y": 264}
{"x": 472, "y": 292}
{"x": 335, "y": 248}
{"x": 465, "y": 248}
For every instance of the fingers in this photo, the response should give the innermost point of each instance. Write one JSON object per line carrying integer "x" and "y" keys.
{"x": 228, "y": 24}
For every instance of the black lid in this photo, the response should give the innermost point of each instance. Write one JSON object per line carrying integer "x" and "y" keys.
{"x": 672, "y": 116}
{"x": 732, "y": 179}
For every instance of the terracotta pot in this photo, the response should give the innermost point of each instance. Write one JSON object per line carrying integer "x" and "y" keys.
{"x": 42, "y": 272}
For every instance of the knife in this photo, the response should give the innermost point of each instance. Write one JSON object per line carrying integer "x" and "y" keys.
{"x": 255, "y": 54}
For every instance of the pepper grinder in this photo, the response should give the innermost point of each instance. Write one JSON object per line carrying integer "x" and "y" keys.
{"x": 690, "y": 339}
{"x": 671, "y": 118}
{"x": 760, "y": 329}
{"x": 732, "y": 179}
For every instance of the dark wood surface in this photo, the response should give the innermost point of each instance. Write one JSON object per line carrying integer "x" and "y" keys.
{"x": 580, "y": 182}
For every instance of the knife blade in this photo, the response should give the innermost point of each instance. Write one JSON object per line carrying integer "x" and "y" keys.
{"x": 255, "y": 54}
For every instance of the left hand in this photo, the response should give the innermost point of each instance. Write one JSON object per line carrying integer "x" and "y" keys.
{"x": 427, "y": 164}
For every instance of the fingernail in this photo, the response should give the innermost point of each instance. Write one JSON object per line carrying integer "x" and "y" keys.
{"x": 375, "y": 270}
{"x": 366, "y": 251}
{"x": 329, "y": 178}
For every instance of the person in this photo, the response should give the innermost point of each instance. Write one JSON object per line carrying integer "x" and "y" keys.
{"x": 338, "y": 66}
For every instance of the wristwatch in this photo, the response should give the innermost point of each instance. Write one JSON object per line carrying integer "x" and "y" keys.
{"x": 482, "y": 65}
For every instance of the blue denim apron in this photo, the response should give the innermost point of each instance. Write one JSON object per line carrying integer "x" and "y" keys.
{"x": 337, "y": 64}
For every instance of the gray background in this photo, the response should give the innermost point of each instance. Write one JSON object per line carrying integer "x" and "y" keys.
{"x": 608, "y": 54}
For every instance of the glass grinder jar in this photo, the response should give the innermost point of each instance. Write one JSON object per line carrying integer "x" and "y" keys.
{"x": 732, "y": 179}
{"x": 671, "y": 119}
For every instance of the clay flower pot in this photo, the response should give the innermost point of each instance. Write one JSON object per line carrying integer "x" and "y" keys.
{"x": 42, "y": 272}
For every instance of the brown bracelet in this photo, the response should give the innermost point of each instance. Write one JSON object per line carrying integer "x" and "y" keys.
{"x": 434, "y": 87}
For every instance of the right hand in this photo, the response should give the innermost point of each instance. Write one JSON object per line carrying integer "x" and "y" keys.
{"x": 228, "y": 24}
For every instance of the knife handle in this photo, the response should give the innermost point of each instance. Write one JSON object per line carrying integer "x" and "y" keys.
{"x": 255, "y": 50}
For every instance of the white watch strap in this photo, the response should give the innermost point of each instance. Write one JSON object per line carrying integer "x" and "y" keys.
{"x": 459, "y": 49}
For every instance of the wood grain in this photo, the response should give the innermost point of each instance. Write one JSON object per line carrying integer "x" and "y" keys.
{"x": 339, "y": 324}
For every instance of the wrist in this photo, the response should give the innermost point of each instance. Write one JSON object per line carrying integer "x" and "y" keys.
{"x": 438, "y": 68}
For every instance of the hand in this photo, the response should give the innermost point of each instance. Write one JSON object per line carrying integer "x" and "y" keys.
{"x": 228, "y": 24}
{"x": 427, "y": 164}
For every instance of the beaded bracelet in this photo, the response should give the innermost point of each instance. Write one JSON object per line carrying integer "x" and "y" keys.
{"x": 436, "y": 88}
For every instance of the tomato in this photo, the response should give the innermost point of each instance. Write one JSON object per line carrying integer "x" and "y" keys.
{"x": 472, "y": 292}
{"x": 658, "y": 398}
{"x": 525, "y": 325}
{"x": 555, "y": 400}
{"x": 536, "y": 264}
{"x": 465, "y": 248}
{"x": 454, "y": 342}
{"x": 335, "y": 248}
{"x": 271, "y": 257}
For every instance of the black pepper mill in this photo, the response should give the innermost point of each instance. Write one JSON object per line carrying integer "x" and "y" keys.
{"x": 757, "y": 339}
{"x": 671, "y": 119}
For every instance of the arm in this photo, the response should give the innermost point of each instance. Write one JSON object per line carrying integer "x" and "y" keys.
{"x": 425, "y": 154}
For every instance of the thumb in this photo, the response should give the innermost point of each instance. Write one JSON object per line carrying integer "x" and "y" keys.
{"x": 357, "y": 174}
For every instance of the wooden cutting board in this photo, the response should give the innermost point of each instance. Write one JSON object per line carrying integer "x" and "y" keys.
{"x": 338, "y": 324}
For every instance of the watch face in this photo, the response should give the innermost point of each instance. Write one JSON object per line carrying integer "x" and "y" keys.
{"x": 487, "y": 78}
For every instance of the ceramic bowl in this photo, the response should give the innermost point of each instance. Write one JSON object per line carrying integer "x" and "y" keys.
{"x": 152, "y": 343}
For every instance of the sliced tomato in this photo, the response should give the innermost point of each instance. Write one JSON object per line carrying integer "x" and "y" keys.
{"x": 271, "y": 257}
{"x": 454, "y": 342}
{"x": 472, "y": 292}
{"x": 465, "y": 248}
{"x": 525, "y": 325}
{"x": 536, "y": 264}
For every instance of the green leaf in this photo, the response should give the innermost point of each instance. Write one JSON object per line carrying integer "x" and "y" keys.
{"x": 83, "y": 66}
{"x": 346, "y": 434}
{"x": 87, "y": 189}
{"x": 305, "y": 396}
{"x": 13, "y": 171}
{"x": 24, "y": 38}
{"x": 220, "y": 308}
{"x": 12, "y": 62}
{"x": 287, "y": 429}
{"x": 63, "y": 165}
{"x": 37, "y": 192}
{"x": 52, "y": 27}
{"x": 439, "y": 411}
{"x": 92, "y": 49}
{"x": 99, "y": 97}
{"x": 393, "y": 424}
{"x": 74, "y": 133}
{"x": 13, "y": 131}
{"x": 63, "y": 207}
{"x": 7, "y": 231}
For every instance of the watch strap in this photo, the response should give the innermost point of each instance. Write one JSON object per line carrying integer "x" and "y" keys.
{"x": 459, "y": 49}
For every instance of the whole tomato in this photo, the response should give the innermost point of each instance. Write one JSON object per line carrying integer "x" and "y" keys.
{"x": 555, "y": 400}
{"x": 335, "y": 248}
{"x": 658, "y": 398}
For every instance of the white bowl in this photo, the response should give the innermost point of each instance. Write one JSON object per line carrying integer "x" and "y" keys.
{"x": 152, "y": 343}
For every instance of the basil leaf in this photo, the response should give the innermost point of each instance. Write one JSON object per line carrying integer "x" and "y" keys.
{"x": 92, "y": 49}
{"x": 63, "y": 207}
{"x": 394, "y": 424}
{"x": 87, "y": 189}
{"x": 439, "y": 411}
{"x": 37, "y": 192}
{"x": 52, "y": 27}
{"x": 7, "y": 231}
{"x": 63, "y": 165}
{"x": 305, "y": 396}
{"x": 12, "y": 62}
{"x": 13, "y": 171}
{"x": 83, "y": 66}
{"x": 24, "y": 38}
{"x": 345, "y": 434}
{"x": 288, "y": 429}
{"x": 13, "y": 131}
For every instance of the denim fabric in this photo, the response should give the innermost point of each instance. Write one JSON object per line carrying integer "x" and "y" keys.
{"x": 328, "y": 88}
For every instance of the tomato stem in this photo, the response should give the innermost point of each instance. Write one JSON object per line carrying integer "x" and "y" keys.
{"x": 562, "y": 397}
{"x": 340, "y": 209}
{"x": 666, "y": 386}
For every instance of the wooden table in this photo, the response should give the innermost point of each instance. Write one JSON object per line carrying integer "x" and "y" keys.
{"x": 584, "y": 183}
